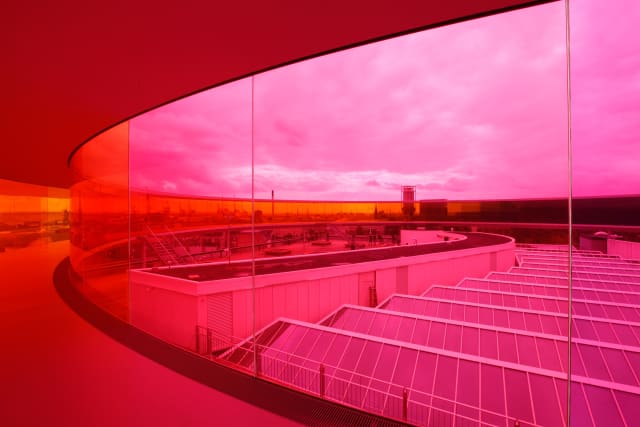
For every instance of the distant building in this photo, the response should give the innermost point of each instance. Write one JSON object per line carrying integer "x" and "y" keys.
{"x": 433, "y": 210}
{"x": 408, "y": 200}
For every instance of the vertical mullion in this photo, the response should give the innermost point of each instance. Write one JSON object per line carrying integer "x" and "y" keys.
{"x": 253, "y": 237}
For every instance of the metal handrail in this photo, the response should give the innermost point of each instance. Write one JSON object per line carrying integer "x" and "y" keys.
{"x": 211, "y": 337}
{"x": 313, "y": 386}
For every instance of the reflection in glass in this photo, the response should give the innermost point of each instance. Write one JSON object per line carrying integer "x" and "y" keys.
{"x": 348, "y": 133}
{"x": 100, "y": 219}
{"x": 32, "y": 215}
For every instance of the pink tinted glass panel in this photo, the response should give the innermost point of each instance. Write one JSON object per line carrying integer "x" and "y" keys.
{"x": 605, "y": 102}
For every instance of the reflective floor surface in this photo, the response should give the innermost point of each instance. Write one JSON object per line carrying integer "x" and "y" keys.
{"x": 57, "y": 370}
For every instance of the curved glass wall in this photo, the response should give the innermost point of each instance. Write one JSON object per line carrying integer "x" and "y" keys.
{"x": 337, "y": 226}
{"x": 100, "y": 219}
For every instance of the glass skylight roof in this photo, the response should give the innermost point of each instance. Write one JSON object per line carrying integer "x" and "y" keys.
{"x": 629, "y": 270}
{"x": 565, "y": 254}
{"x": 499, "y": 343}
{"x": 484, "y": 352}
{"x": 560, "y": 291}
{"x": 373, "y": 374}
{"x": 486, "y": 314}
{"x": 614, "y": 331}
{"x": 592, "y": 275}
{"x": 563, "y": 281}
{"x": 606, "y": 310}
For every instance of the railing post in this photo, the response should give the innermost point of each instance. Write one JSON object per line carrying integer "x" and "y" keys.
{"x": 197, "y": 339}
{"x": 258, "y": 359}
{"x": 209, "y": 347}
{"x": 404, "y": 404}
{"x": 321, "y": 381}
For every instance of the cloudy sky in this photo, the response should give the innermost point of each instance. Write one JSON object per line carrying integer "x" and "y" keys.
{"x": 475, "y": 110}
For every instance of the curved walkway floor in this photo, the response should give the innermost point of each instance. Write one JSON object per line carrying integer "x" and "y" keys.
{"x": 58, "y": 370}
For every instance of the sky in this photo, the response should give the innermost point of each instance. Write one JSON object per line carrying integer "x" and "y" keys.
{"x": 605, "y": 82}
{"x": 475, "y": 110}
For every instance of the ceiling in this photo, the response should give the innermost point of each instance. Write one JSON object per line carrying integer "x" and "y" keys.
{"x": 72, "y": 68}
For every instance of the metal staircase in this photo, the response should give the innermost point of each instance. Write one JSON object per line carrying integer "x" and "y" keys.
{"x": 182, "y": 253}
{"x": 166, "y": 253}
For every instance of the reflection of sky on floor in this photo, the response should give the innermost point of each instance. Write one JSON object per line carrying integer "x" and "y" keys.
{"x": 469, "y": 111}
{"x": 58, "y": 370}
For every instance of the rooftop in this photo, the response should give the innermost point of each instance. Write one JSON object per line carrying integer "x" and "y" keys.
{"x": 489, "y": 351}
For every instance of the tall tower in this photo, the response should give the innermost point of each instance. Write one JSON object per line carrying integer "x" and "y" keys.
{"x": 408, "y": 200}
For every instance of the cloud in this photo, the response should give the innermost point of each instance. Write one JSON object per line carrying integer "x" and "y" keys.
{"x": 168, "y": 186}
{"x": 605, "y": 79}
{"x": 473, "y": 110}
